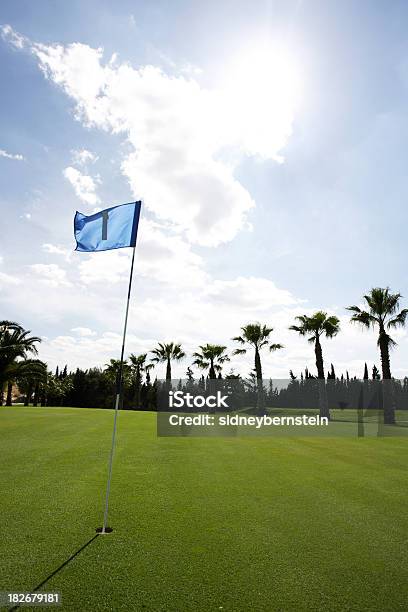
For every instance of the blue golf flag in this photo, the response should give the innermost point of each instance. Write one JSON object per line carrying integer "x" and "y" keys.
{"x": 112, "y": 228}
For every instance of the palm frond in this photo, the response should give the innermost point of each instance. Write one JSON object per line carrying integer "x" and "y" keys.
{"x": 331, "y": 326}
{"x": 239, "y": 339}
{"x": 355, "y": 309}
{"x": 276, "y": 347}
{"x": 201, "y": 363}
{"x": 399, "y": 320}
{"x": 223, "y": 359}
{"x": 299, "y": 330}
{"x": 363, "y": 318}
{"x": 177, "y": 352}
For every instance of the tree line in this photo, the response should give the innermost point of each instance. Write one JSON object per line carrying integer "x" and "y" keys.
{"x": 95, "y": 387}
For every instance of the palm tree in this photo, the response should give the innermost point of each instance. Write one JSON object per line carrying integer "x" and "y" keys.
{"x": 211, "y": 357}
{"x": 382, "y": 311}
{"x": 317, "y": 325}
{"x": 138, "y": 367}
{"x": 112, "y": 370}
{"x": 15, "y": 345}
{"x": 27, "y": 374}
{"x": 383, "y": 307}
{"x": 165, "y": 353}
{"x": 257, "y": 337}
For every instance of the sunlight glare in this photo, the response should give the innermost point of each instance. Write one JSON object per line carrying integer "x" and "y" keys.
{"x": 262, "y": 88}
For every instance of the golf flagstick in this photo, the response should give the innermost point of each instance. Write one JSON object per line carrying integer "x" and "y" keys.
{"x": 117, "y": 401}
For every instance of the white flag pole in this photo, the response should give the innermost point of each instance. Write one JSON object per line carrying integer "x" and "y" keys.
{"x": 105, "y": 528}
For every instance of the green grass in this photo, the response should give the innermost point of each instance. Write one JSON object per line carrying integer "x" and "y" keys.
{"x": 201, "y": 524}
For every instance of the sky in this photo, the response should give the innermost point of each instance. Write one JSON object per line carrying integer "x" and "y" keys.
{"x": 267, "y": 141}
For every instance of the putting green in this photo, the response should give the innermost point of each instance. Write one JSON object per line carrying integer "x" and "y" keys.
{"x": 200, "y": 524}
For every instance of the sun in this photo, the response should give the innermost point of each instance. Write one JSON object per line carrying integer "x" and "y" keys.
{"x": 262, "y": 85}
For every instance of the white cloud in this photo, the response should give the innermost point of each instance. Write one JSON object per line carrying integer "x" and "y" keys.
{"x": 75, "y": 350}
{"x": 57, "y": 250}
{"x": 82, "y": 157}
{"x": 168, "y": 258}
{"x": 177, "y": 130}
{"x": 13, "y": 37}
{"x": 83, "y": 332}
{"x": 200, "y": 197}
{"x": 52, "y": 248}
{"x": 104, "y": 267}
{"x": 84, "y": 185}
{"x": 252, "y": 294}
{"x": 7, "y": 279}
{"x": 16, "y": 156}
{"x": 160, "y": 257}
{"x": 51, "y": 275}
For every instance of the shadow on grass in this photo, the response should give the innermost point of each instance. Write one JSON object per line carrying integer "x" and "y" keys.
{"x": 64, "y": 564}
